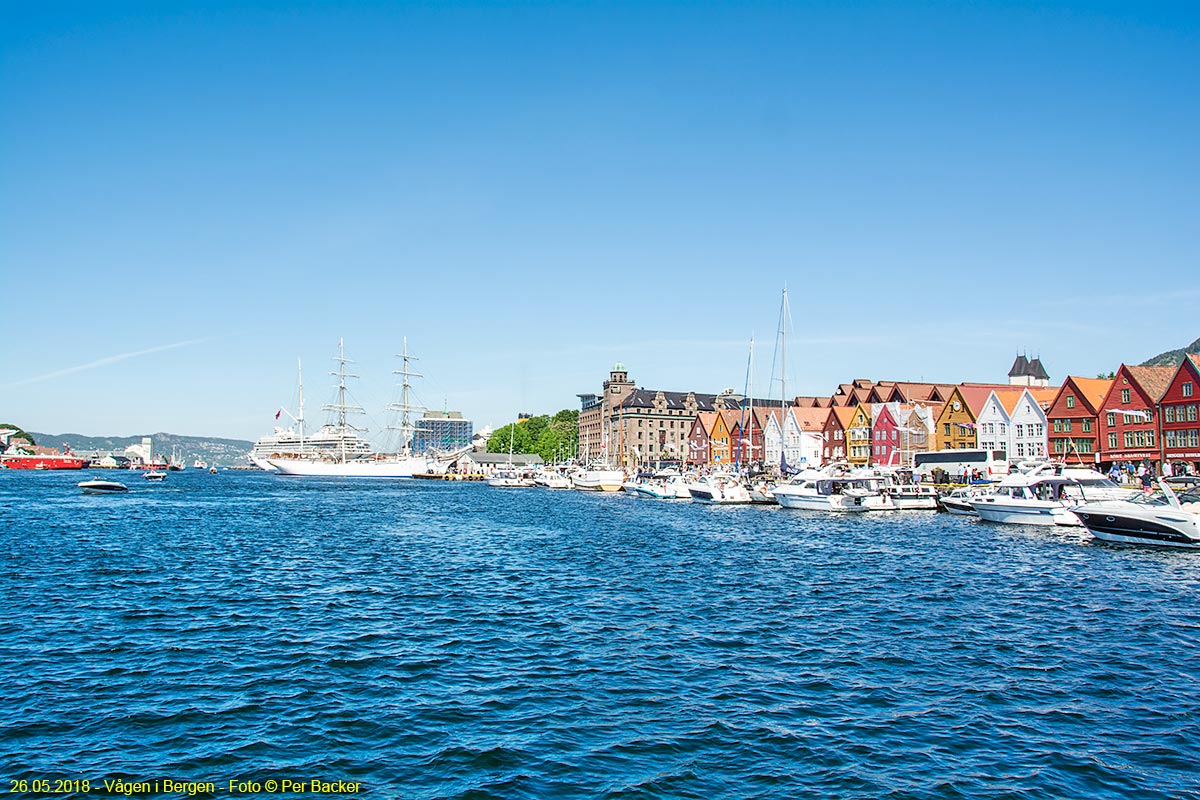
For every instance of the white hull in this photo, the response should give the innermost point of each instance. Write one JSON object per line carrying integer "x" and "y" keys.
{"x": 599, "y": 480}
{"x": 1028, "y": 513}
{"x": 262, "y": 463}
{"x": 361, "y": 468}
{"x": 834, "y": 503}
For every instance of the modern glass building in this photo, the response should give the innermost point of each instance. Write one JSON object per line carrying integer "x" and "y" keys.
{"x": 442, "y": 430}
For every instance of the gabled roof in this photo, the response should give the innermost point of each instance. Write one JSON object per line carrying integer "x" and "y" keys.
{"x": 1091, "y": 391}
{"x": 1154, "y": 380}
{"x": 706, "y": 419}
{"x": 1020, "y": 367}
{"x": 974, "y": 395}
{"x": 810, "y": 419}
{"x": 843, "y": 414}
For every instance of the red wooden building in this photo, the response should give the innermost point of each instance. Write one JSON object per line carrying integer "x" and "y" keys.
{"x": 1074, "y": 419}
{"x": 1129, "y": 415}
{"x": 885, "y": 437}
{"x": 1179, "y": 438}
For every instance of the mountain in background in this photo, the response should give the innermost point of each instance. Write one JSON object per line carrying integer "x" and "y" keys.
{"x": 226, "y": 452}
{"x": 1172, "y": 358}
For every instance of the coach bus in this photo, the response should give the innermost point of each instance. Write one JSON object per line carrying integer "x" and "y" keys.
{"x": 991, "y": 464}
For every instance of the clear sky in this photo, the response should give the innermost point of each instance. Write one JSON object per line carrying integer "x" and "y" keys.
{"x": 194, "y": 195}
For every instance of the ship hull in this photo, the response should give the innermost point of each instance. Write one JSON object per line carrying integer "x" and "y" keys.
{"x": 362, "y": 468}
{"x": 44, "y": 462}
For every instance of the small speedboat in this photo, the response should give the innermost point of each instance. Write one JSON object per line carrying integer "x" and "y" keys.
{"x": 155, "y": 476}
{"x": 99, "y": 486}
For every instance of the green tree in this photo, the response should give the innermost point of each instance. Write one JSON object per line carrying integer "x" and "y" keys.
{"x": 535, "y": 425}
{"x": 567, "y": 415}
{"x": 549, "y": 445}
{"x": 499, "y": 441}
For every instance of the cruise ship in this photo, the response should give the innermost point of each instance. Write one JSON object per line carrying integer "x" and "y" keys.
{"x": 329, "y": 443}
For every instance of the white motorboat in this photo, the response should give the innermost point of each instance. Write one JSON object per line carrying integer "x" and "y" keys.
{"x": 1166, "y": 517}
{"x": 1045, "y": 496}
{"x": 761, "y": 492}
{"x": 827, "y": 489}
{"x": 719, "y": 489}
{"x": 100, "y": 486}
{"x": 959, "y": 501}
{"x": 510, "y": 479}
{"x": 154, "y": 475}
{"x": 598, "y": 478}
{"x": 550, "y": 479}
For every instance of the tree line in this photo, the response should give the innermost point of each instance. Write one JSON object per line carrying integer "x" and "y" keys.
{"x": 551, "y": 437}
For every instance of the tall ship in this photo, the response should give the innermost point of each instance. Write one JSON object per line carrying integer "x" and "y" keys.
{"x": 345, "y": 459}
{"x": 328, "y": 443}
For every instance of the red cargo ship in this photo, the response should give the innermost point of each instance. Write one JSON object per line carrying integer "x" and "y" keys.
{"x": 43, "y": 462}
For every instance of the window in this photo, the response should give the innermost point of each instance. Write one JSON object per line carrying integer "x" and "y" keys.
{"x": 1070, "y": 401}
{"x": 947, "y": 428}
{"x": 1169, "y": 414}
{"x": 1128, "y": 439}
{"x": 1191, "y": 414}
{"x": 1125, "y": 396}
{"x": 1058, "y": 426}
{"x": 1187, "y": 389}
{"x": 1058, "y": 445}
{"x": 1112, "y": 441}
{"x": 1067, "y": 425}
{"x": 1112, "y": 420}
{"x": 1086, "y": 425}
{"x": 1149, "y": 438}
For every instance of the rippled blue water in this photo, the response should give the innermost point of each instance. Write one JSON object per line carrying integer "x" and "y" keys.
{"x": 446, "y": 640}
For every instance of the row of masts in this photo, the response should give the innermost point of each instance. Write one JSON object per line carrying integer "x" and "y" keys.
{"x": 342, "y": 408}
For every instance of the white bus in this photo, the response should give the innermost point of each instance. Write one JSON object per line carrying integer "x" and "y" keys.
{"x": 991, "y": 464}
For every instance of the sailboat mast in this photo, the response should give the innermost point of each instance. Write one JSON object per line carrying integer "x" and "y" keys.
{"x": 407, "y": 428}
{"x": 783, "y": 381}
{"x": 340, "y": 407}
{"x": 300, "y": 419}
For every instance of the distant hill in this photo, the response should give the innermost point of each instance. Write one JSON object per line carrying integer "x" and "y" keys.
{"x": 1172, "y": 358}
{"x": 226, "y": 452}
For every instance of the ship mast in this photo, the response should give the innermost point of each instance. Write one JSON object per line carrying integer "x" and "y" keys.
{"x": 406, "y": 427}
{"x": 340, "y": 406}
{"x": 300, "y": 419}
{"x": 783, "y": 315}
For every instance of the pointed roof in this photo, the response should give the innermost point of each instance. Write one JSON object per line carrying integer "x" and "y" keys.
{"x": 1091, "y": 391}
{"x": 810, "y": 419}
{"x": 1153, "y": 380}
{"x": 706, "y": 419}
{"x": 1020, "y": 367}
{"x": 1036, "y": 370}
{"x": 843, "y": 414}
{"x": 976, "y": 394}
{"x": 1195, "y": 359}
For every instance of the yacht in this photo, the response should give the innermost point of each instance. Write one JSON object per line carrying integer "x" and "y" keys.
{"x": 1045, "y": 496}
{"x": 551, "y": 479}
{"x": 959, "y": 500}
{"x": 719, "y": 488}
{"x": 895, "y": 495}
{"x": 155, "y": 475}
{"x": 665, "y": 485}
{"x": 510, "y": 479}
{"x": 100, "y": 486}
{"x": 827, "y": 490}
{"x": 1166, "y": 517}
{"x": 598, "y": 478}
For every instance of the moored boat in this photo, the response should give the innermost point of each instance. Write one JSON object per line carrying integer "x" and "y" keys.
{"x": 598, "y": 478}
{"x": 719, "y": 489}
{"x": 1166, "y": 517}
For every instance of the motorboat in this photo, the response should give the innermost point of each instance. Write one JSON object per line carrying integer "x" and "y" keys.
{"x": 761, "y": 492}
{"x": 155, "y": 475}
{"x": 598, "y": 478}
{"x": 101, "y": 486}
{"x": 1168, "y": 516}
{"x": 719, "y": 488}
{"x": 1045, "y": 496}
{"x": 959, "y": 500}
{"x": 549, "y": 479}
{"x": 896, "y": 494}
{"x": 827, "y": 489}
{"x": 509, "y": 479}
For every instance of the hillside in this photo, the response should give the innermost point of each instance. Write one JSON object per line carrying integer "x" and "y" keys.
{"x": 221, "y": 451}
{"x": 1172, "y": 357}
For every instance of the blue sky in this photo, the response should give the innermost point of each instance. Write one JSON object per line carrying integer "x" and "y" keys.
{"x": 193, "y": 195}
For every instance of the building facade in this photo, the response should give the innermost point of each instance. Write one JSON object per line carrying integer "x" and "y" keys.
{"x": 1180, "y": 414}
{"x": 446, "y": 431}
{"x": 1073, "y": 420}
{"x": 1129, "y": 416}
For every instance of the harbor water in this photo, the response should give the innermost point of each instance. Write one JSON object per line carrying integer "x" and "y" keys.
{"x": 429, "y": 639}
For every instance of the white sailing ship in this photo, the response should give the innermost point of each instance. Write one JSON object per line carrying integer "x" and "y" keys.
{"x": 346, "y": 460}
